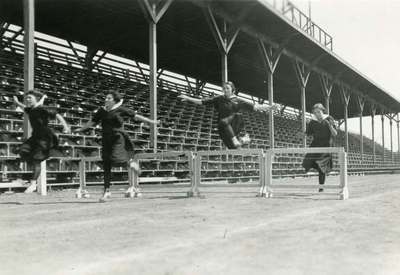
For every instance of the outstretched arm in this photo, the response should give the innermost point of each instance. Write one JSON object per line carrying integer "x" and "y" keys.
{"x": 191, "y": 99}
{"x": 18, "y": 102}
{"x": 145, "y": 119}
{"x": 86, "y": 126}
{"x": 265, "y": 108}
{"x": 41, "y": 101}
{"x": 67, "y": 129}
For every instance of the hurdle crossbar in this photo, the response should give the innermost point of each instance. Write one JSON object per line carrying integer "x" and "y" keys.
{"x": 269, "y": 187}
{"x": 171, "y": 154}
{"x": 237, "y": 152}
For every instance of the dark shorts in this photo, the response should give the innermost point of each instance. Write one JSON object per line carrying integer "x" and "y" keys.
{"x": 38, "y": 147}
{"x": 117, "y": 148}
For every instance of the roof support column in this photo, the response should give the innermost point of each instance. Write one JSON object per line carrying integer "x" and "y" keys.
{"x": 327, "y": 85}
{"x": 383, "y": 134}
{"x": 391, "y": 138}
{"x": 29, "y": 77}
{"x": 361, "y": 104}
{"x": 224, "y": 39}
{"x": 373, "y": 112}
{"x": 271, "y": 58}
{"x": 391, "y": 117}
{"x": 398, "y": 137}
{"x": 29, "y": 54}
{"x": 153, "y": 12}
{"x": 345, "y": 93}
{"x": 302, "y": 74}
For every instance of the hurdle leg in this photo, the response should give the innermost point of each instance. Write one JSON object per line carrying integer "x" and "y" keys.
{"x": 195, "y": 176}
{"x": 133, "y": 190}
{"x": 82, "y": 192}
{"x": 42, "y": 180}
{"x": 344, "y": 194}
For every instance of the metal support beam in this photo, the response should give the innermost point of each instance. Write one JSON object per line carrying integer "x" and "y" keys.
{"x": 361, "y": 104}
{"x": 271, "y": 58}
{"x": 80, "y": 59}
{"x": 391, "y": 138}
{"x": 223, "y": 38}
{"x": 373, "y": 112}
{"x": 153, "y": 13}
{"x": 327, "y": 85}
{"x": 29, "y": 54}
{"x": 302, "y": 74}
{"x": 153, "y": 82}
{"x": 383, "y": 134}
{"x": 345, "y": 95}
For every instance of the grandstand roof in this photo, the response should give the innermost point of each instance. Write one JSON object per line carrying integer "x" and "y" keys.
{"x": 186, "y": 45}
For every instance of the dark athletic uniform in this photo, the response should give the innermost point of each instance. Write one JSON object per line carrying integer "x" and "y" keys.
{"x": 322, "y": 137}
{"x": 37, "y": 147}
{"x": 117, "y": 148}
{"x": 230, "y": 120}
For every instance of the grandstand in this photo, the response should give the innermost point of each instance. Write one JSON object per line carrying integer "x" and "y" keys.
{"x": 76, "y": 89}
{"x": 153, "y": 51}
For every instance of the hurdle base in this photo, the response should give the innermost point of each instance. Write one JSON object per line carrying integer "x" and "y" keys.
{"x": 344, "y": 195}
{"x": 82, "y": 193}
{"x": 132, "y": 192}
{"x": 193, "y": 194}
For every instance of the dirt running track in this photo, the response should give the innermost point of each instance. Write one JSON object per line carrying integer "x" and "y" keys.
{"x": 219, "y": 234}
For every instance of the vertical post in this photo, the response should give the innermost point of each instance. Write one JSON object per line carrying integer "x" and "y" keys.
{"x": 303, "y": 114}
{"x": 269, "y": 156}
{"x": 361, "y": 102}
{"x": 391, "y": 138}
{"x": 383, "y": 136}
{"x": 302, "y": 74}
{"x": 343, "y": 175}
{"x": 153, "y": 81}
{"x": 153, "y": 14}
{"x": 345, "y": 95}
{"x": 398, "y": 137}
{"x": 327, "y": 85}
{"x": 270, "y": 88}
{"x": 373, "y": 112}
{"x": 29, "y": 54}
{"x": 224, "y": 56}
{"x": 223, "y": 38}
{"x": 271, "y": 59}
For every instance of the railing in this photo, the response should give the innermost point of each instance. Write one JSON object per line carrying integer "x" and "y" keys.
{"x": 304, "y": 22}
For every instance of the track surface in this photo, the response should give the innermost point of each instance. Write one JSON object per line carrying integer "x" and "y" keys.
{"x": 219, "y": 234}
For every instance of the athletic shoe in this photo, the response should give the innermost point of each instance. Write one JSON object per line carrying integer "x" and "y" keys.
{"x": 245, "y": 139}
{"x": 105, "y": 197}
{"x": 31, "y": 188}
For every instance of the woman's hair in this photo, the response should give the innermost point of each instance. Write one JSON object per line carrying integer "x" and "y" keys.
{"x": 116, "y": 96}
{"x": 230, "y": 83}
{"x": 319, "y": 106}
{"x": 34, "y": 93}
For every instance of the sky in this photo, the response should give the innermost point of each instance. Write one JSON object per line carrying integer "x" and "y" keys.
{"x": 366, "y": 35}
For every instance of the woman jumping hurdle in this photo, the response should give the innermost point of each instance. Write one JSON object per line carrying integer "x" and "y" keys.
{"x": 117, "y": 148}
{"x": 230, "y": 121}
{"x": 322, "y": 128}
{"x": 37, "y": 148}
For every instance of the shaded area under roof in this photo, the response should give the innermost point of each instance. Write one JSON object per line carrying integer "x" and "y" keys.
{"x": 186, "y": 45}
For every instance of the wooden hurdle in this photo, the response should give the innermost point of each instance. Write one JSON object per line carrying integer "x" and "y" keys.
{"x": 238, "y": 152}
{"x": 270, "y": 188}
{"x": 137, "y": 190}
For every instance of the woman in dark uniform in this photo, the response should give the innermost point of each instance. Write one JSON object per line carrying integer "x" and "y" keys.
{"x": 117, "y": 148}
{"x": 38, "y": 146}
{"x": 230, "y": 121}
{"x": 322, "y": 128}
